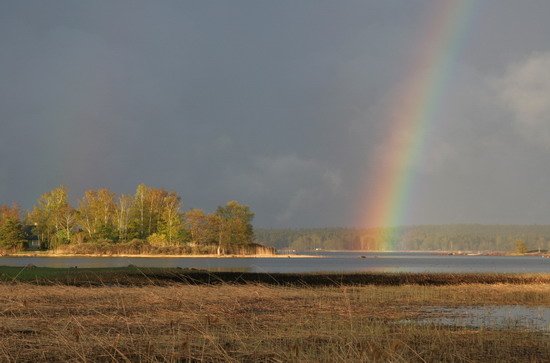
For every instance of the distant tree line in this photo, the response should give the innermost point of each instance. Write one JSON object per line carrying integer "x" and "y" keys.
{"x": 465, "y": 237}
{"x": 149, "y": 220}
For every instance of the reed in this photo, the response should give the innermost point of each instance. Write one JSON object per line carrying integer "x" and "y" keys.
{"x": 258, "y": 322}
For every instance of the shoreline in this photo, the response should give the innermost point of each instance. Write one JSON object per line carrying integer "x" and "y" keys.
{"x": 368, "y": 254}
{"x": 439, "y": 252}
{"x": 95, "y": 255}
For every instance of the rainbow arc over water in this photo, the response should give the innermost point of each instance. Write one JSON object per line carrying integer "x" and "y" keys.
{"x": 412, "y": 117}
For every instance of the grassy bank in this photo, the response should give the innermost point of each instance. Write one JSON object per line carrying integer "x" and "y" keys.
{"x": 172, "y": 314}
{"x": 258, "y": 322}
{"x": 142, "y": 247}
{"x": 54, "y": 254}
{"x": 138, "y": 276}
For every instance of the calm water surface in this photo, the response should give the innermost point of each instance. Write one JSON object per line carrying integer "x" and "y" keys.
{"x": 328, "y": 262}
{"x": 507, "y": 316}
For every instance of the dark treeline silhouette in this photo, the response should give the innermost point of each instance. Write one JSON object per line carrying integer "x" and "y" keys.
{"x": 465, "y": 237}
{"x": 150, "y": 221}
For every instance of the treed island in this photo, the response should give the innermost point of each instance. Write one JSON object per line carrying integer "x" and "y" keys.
{"x": 150, "y": 221}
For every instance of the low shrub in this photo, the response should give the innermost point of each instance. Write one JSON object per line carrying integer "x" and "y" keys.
{"x": 142, "y": 247}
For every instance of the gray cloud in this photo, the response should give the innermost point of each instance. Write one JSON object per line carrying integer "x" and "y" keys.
{"x": 525, "y": 90}
{"x": 286, "y": 183}
{"x": 282, "y": 105}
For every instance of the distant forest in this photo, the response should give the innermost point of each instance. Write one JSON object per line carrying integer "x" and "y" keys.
{"x": 455, "y": 237}
{"x": 149, "y": 221}
{"x": 152, "y": 221}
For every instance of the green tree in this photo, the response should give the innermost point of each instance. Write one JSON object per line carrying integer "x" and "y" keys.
{"x": 122, "y": 216}
{"x": 53, "y": 217}
{"x": 146, "y": 211}
{"x": 235, "y": 221}
{"x": 138, "y": 212}
{"x": 170, "y": 223}
{"x": 12, "y": 236}
{"x": 155, "y": 199}
{"x": 97, "y": 214}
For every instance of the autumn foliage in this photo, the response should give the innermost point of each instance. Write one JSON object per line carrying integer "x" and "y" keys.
{"x": 149, "y": 221}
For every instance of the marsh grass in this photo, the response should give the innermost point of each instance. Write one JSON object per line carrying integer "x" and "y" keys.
{"x": 258, "y": 322}
{"x": 139, "y": 276}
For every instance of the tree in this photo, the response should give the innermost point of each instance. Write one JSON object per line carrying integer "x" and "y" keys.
{"x": 235, "y": 221}
{"x": 12, "y": 236}
{"x": 96, "y": 214}
{"x": 7, "y": 212}
{"x": 137, "y": 219}
{"x": 170, "y": 224}
{"x": 67, "y": 221}
{"x": 203, "y": 228}
{"x": 53, "y": 217}
{"x": 521, "y": 247}
{"x": 122, "y": 216}
{"x": 155, "y": 199}
{"x": 146, "y": 211}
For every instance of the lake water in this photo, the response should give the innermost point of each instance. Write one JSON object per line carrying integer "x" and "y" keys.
{"x": 328, "y": 262}
{"x": 507, "y": 316}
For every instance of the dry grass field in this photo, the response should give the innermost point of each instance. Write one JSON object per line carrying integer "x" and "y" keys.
{"x": 259, "y": 322}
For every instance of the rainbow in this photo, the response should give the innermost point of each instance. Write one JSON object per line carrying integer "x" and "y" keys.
{"x": 412, "y": 118}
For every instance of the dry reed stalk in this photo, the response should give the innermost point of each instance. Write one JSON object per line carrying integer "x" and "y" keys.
{"x": 257, "y": 323}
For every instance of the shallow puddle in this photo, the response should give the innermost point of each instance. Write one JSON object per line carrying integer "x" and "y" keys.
{"x": 505, "y": 316}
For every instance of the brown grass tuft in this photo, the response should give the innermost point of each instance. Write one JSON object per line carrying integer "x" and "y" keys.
{"x": 257, "y": 323}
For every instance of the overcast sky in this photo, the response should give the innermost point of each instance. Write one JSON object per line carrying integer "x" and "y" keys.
{"x": 277, "y": 104}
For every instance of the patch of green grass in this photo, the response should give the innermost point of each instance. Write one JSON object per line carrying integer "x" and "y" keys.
{"x": 78, "y": 276}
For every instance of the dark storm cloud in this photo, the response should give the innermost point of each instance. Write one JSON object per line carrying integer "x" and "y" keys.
{"x": 277, "y": 104}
